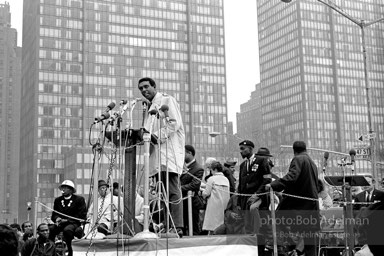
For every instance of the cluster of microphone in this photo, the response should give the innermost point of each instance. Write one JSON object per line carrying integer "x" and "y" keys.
{"x": 124, "y": 106}
{"x": 352, "y": 154}
{"x": 105, "y": 115}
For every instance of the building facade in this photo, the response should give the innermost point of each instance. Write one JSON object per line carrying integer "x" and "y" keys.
{"x": 80, "y": 55}
{"x": 249, "y": 119}
{"x": 312, "y": 73}
{"x": 10, "y": 79}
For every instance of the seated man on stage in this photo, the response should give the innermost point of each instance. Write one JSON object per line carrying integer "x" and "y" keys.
{"x": 108, "y": 213}
{"x": 170, "y": 141}
{"x": 69, "y": 211}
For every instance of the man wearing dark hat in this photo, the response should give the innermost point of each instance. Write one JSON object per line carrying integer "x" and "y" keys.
{"x": 109, "y": 208}
{"x": 301, "y": 183}
{"x": 255, "y": 173}
{"x": 69, "y": 211}
{"x": 231, "y": 166}
{"x": 190, "y": 181}
{"x": 228, "y": 171}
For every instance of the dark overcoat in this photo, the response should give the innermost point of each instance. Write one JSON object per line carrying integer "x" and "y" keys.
{"x": 299, "y": 207}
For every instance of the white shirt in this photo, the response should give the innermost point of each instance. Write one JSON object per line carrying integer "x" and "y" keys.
{"x": 106, "y": 211}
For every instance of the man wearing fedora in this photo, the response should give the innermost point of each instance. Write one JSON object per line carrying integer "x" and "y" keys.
{"x": 107, "y": 205}
{"x": 255, "y": 173}
{"x": 69, "y": 211}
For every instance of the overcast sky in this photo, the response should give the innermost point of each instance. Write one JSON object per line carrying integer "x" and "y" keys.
{"x": 241, "y": 49}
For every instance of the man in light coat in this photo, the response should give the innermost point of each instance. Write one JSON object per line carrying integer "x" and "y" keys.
{"x": 107, "y": 205}
{"x": 168, "y": 139}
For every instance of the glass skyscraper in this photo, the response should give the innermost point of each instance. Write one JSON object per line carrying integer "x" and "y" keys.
{"x": 79, "y": 55}
{"x": 10, "y": 68}
{"x": 312, "y": 73}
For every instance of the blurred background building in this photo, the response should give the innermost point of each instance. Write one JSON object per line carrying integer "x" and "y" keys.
{"x": 10, "y": 74}
{"x": 78, "y": 56}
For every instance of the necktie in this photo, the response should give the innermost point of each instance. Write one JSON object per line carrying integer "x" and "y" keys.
{"x": 368, "y": 197}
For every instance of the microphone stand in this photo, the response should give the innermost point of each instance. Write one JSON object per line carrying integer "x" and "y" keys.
{"x": 159, "y": 191}
{"x": 147, "y": 142}
{"x": 118, "y": 125}
{"x": 167, "y": 175}
{"x": 98, "y": 148}
{"x": 348, "y": 214}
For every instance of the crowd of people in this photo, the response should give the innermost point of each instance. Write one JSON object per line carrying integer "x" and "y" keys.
{"x": 223, "y": 200}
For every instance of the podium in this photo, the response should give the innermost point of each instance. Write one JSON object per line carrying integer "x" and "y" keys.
{"x": 128, "y": 138}
{"x": 347, "y": 182}
{"x": 352, "y": 180}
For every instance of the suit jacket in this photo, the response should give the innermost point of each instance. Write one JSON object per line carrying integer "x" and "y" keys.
{"x": 189, "y": 182}
{"x": 372, "y": 221}
{"x": 252, "y": 179}
{"x": 377, "y": 195}
{"x": 301, "y": 180}
{"x": 75, "y": 208}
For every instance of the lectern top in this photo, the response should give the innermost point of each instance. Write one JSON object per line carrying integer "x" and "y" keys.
{"x": 352, "y": 180}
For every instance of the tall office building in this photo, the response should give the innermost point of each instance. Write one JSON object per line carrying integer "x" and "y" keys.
{"x": 79, "y": 55}
{"x": 10, "y": 74}
{"x": 312, "y": 73}
{"x": 249, "y": 119}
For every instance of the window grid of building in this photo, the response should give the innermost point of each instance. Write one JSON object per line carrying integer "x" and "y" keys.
{"x": 83, "y": 54}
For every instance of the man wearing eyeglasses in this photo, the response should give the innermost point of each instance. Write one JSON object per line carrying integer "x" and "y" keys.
{"x": 107, "y": 205}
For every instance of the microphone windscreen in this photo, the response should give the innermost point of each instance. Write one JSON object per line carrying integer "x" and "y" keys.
{"x": 111, "y": 105}
{"x": 326, "y": 155}
{"x": 352, "y": 152}
{"x": 164, "y": 108}
{"x": 152, "y": 112}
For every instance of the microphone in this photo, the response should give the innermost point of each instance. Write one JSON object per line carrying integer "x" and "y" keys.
{"x": 153, "y": 112}
{"x": 110, "y": 107}
{"x": 105, "y": 114}
{"x": 326, "y": 156}
{"x": 101, "y": 118}
{"x": 352, "y": 153}
{"x": 164, "y": 109}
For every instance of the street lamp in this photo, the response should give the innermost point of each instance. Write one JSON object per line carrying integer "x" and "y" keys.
{"x": 362, "y": 25}
{"x": 214, "y": 134}
{"x": 29, "y": 207}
